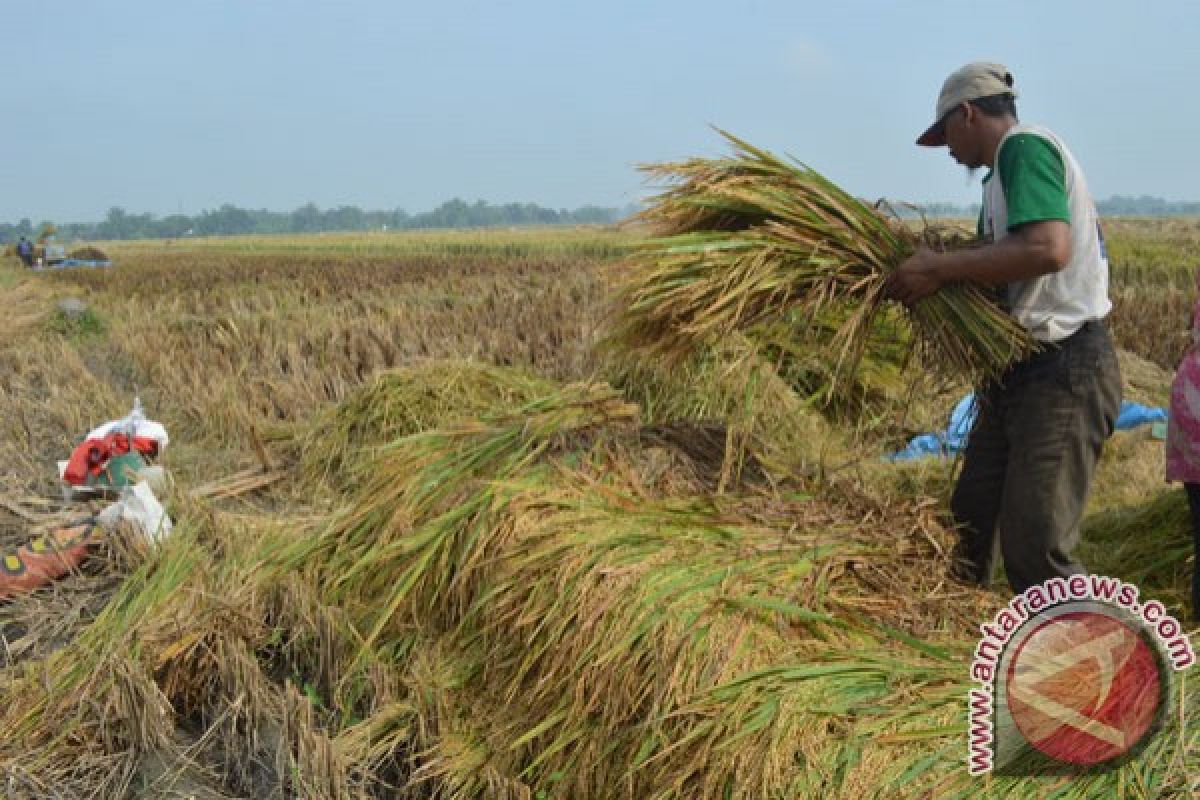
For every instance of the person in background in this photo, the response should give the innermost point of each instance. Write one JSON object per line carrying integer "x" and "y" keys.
{"x": 25, "y": 251}
{"x": 1183, "y": 438}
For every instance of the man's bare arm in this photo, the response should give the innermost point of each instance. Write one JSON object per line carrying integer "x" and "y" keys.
{"x": 1035, "y": 249}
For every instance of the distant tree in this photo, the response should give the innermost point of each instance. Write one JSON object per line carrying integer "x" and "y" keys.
{"x": 174, "y": 226}
{"x": 115, "y": 225}
{"x": 226, "y": 220}
{"x": 306, "y": 219}
{"x": 230, "y": 220}
{"x": 344, "y": 218}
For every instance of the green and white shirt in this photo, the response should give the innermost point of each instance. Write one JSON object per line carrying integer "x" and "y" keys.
{"x": 1036, "y": 178}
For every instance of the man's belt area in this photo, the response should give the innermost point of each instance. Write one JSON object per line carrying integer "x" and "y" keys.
{"x": 1050, "y": 353}
{"x": 1086, "y": 330}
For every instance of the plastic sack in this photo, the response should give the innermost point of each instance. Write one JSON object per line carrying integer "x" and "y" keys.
{"x": 134, "y": 423}
{"x": 139, "y": 507}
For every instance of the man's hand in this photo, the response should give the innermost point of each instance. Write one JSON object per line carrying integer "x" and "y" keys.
{"x": 1030, "y": 251}
{"x": 917, "y": 278}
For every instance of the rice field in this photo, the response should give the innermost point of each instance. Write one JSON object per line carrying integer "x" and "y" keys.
{"x": 508, "y": 559}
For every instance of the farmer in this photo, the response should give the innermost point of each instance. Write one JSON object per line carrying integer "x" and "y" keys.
{"x": 1042, "y": 423}
{"x": 25, "y": 251}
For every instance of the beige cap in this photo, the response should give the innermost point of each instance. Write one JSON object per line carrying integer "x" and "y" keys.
{"x": 976, "y": 80}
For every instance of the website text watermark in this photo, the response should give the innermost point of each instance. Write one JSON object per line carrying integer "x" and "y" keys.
{"x": 1059, "y": 593}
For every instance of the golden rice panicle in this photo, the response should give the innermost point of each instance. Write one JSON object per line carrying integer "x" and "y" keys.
{"x": 751, "y": 241}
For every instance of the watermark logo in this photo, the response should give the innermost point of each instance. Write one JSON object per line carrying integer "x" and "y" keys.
{"x": 1074, "y": 673}
{"x": 1083, "y": 687}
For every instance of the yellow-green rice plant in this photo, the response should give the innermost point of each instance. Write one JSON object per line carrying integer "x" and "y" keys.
{"x": 601, "y": 618}
{"x": 404, "y": 401}
{"x": 431, "y": 498}
{"x": 751, "y": 240}
{"x": 593, "y": 616}
{"x": 734, "y": 385}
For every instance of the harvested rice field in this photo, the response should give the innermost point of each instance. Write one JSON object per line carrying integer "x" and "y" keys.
{"x": 515, "y": 543}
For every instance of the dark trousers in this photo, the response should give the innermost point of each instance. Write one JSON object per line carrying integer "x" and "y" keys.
{"x": 1030, "y": 457}
{"x": 1193, "y": 496}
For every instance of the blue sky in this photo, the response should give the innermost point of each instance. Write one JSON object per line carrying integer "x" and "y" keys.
{"x": 184, "y": 105}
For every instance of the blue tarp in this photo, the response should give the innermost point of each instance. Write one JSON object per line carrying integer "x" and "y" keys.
{"x": 954, "y": 438}
{"x": 75, "y": 263}
{"x": 1134, "y": 414}
{"x": 79, "y": 262}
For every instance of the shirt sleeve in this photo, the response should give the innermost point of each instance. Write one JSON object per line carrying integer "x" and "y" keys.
{"x": 1034, "y": 179}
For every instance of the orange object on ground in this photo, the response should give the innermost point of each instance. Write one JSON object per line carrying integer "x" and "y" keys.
{"x": 90, "y": 457}
{"x": 45, "y": 559}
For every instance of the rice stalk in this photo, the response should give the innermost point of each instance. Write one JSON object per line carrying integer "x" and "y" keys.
{"x": 430, "y": 501}
{"x": 592, "y": 616}
{"x": 751, "y": 241}
{"x": 404, "y": 401}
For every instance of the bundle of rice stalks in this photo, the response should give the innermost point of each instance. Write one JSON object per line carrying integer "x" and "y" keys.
{"x": 582, "y": 626}
{"x": 404, "y": 401}
{"x": 88, "y": 253}
{"x": 731, "y": 388}
{"x": 409, "y": 544}
{"x": 753, "y": 244}
{"x": 601, "y": 621}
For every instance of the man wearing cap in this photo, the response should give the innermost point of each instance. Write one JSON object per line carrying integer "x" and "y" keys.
{"x": 1042, "y": 424}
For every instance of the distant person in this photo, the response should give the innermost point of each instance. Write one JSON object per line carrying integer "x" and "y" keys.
{"x": 1183, "y": 438}
{"x": 25, "y": 251}
{"x": 1042, "y": 424}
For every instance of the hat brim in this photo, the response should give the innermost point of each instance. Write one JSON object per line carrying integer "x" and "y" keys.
{"x": 934, "y": 136}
